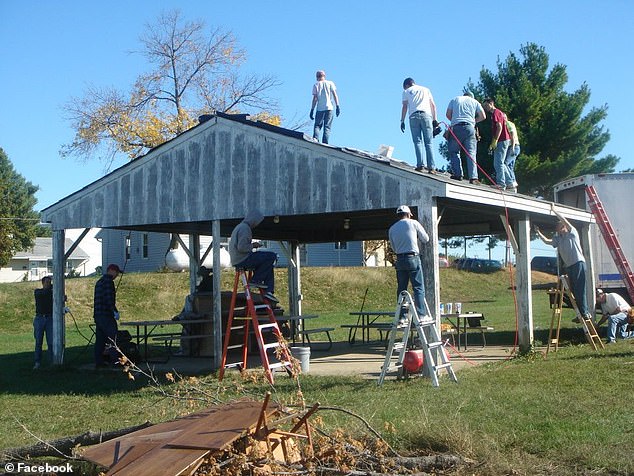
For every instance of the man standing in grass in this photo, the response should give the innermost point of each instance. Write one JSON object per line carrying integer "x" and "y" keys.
{"x": 106, "y": 315}
{"x": 405, "y": 236}
{"x": 43, "y": 321}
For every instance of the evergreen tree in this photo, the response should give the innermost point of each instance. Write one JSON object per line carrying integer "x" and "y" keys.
{"x": 558, "y": 141}
{"x": 18, "y": 220}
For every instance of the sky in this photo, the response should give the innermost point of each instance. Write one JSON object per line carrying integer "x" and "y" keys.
{"x": 52, "y": 51}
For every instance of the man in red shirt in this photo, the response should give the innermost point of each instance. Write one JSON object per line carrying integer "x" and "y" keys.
{"x": 500, "y": 143}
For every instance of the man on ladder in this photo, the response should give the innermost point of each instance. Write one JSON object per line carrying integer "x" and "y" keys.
{"x": 405, "y": 236}
{"x": 241, "y": 251}
{"x": 566, "y": 240}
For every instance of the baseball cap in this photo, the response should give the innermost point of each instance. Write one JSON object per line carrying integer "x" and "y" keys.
{"x": 403, "y": 209}
{"x": 599, "y": 291}
{"x": 114, "y": 267}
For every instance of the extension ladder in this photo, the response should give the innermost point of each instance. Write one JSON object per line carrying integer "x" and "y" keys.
{"x": 563, "y": 287}
{"x": 428, "y": 335}
{"x": 268, "y": 336}
{"x": 611, "y": 240}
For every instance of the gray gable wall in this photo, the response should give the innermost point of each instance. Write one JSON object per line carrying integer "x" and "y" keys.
{"x": 222, "y": 168}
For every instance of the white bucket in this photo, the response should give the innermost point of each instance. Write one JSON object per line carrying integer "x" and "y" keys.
{"x": 303, "y": 355}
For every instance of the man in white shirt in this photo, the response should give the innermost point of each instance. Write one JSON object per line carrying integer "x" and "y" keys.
{"x": 615, "y": 310}
{"x": 324, "y": 95}
{"x": 405, "y": 236}
{"x": 419, "y": 101}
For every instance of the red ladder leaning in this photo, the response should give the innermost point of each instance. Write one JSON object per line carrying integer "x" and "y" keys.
{"x": 274, "y": 348}
{"x": 611, "y": 240}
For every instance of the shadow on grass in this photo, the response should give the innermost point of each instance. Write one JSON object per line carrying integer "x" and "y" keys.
{"x": 567, "y": 336}
{"x": 77, "y": 375}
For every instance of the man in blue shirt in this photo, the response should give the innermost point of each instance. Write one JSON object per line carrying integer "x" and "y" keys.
{"x": 464, "y": 112}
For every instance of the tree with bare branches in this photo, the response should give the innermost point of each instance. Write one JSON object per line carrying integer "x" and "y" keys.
{"x": 192, "y": 71}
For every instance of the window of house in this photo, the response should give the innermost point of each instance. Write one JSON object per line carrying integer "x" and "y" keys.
{"x": 127, "y": 247}
{"x": 145, "y": 245}
{"x": 341, "y": 245}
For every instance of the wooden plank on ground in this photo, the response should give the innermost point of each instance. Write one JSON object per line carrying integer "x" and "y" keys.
{"x": 108, "y": 453}
{"x": 218, "y": 430}
{"x": 163, "y": 461}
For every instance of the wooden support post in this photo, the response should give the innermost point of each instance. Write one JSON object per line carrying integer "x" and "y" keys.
{"x": 59, "y": 327}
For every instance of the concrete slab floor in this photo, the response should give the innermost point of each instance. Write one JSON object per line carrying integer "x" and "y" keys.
{"x": 363, "y": 360}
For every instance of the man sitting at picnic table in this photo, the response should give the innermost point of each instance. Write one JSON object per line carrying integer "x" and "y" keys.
{"x": 404, "y": 236}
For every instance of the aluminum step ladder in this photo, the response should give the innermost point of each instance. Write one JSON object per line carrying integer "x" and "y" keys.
{"x": 274, "y": 351}
{"x": 611, "y": 239}
{"x": 589, "y": 330}
{"x": 406, "y": 316}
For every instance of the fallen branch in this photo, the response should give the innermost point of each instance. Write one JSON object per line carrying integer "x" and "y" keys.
{"x": 64, "y": 446}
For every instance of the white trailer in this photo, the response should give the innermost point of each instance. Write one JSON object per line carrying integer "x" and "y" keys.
{"x": 615, "y": 192}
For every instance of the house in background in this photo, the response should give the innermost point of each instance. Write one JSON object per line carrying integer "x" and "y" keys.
{"x": 37, "y": 262}
{"x": 146, "y": 252}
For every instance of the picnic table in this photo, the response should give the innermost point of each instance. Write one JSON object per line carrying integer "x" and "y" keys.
{"x": 367, "y": 320}
{"x": 156, "y": 330}
{"x": 463, "y": 322}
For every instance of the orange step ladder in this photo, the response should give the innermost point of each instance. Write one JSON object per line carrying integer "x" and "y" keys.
{"x": 611, "y": 240}
{"x": 273, "y": 348}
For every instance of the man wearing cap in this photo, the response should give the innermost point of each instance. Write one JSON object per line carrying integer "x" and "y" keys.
{"x": 464, "y": 112}
{"x": 615, "y": 310}
{"x": 405, "y": 236}
{"x": 241, "y": 251}
{"x": 106, "y": 315}
{"x": 566, "y": 240}
{"x": 419, "y": 101}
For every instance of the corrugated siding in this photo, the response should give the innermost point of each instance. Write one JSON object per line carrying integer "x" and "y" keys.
{"x": 114, "y": 250}
{"x": 323, "y": 254}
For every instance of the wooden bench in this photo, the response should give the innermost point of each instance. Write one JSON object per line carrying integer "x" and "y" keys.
{"x": 307, "y": 332}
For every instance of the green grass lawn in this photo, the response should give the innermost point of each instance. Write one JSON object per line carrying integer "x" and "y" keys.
{"x": 565, "y": 414}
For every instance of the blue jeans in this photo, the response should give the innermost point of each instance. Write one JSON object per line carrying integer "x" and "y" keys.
{"x": 577, "y": 275}
{"x": 420, "y": 125}
{"x": 511, "y": 156}
{"x": 617, "y": 323}
{"x": 322, "y": 118}
{"x": 105, "y": 333}
{"x": 42, "y": 325}
{"x": 466, "y": 135}
{"x": 262, "y": 263}
{"x": 502, "y": 176}
{"x": 409, "y": 269}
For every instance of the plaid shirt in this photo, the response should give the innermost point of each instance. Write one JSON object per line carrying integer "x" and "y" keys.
{"x": 105, "y": 297}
